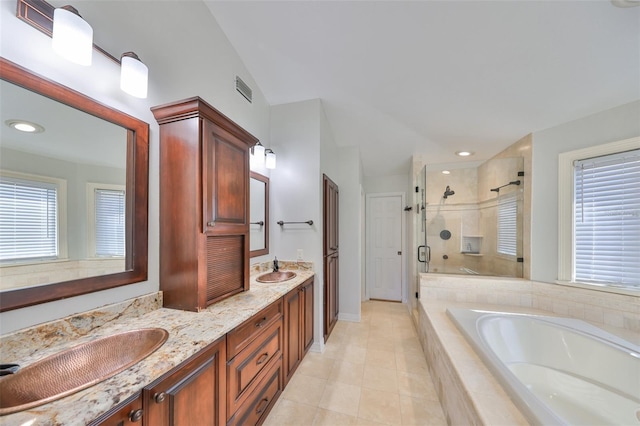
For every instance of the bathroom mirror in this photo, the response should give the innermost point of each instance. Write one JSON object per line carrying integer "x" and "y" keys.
{"x": 481, "y": 210}
{"x": 91, "y": 153}
{"x": 259, "y": 214}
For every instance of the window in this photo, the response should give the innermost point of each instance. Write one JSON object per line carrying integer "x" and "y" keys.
{"x": 607, "y": 219}
{"x": 31, "y": 216}
{"x": 508, "y": 224}
{"x": 107, "y": 220}
{"x": 599, "y": 222}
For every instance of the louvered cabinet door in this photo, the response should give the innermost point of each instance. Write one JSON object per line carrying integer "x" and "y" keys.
{"x": 225, "y": 266}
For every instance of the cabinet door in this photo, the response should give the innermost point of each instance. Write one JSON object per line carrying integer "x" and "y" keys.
{"x": 330, "y": 294}
{"x": 193, "y": 393}
{"x": 330, "y": 216}
{"x": 307, "y": 314}
{"x": 226, "y": 181}
{"x": 292, "y": 342}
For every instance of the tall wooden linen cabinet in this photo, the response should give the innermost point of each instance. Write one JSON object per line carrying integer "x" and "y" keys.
{"x": 331, "y": 254}
{"x": 204, "y": 204}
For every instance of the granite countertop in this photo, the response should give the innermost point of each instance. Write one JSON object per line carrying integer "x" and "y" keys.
{"x": 189, "y": 332}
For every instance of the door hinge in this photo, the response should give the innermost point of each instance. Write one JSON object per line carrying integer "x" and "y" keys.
{"x": 520, "y": 259}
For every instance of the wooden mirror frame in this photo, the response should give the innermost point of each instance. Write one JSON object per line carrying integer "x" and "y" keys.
{"x": 136, "y": 194}
{"x": 265, "y": 180}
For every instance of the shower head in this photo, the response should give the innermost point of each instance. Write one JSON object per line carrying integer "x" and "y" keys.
{"x": 448, "y": 192}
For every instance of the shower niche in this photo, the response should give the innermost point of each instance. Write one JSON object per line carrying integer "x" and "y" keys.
{"x": 471, "y": 245}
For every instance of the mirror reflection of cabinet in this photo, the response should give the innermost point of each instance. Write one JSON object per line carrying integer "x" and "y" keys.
{"x": 259, "y": 214}
{"x": 106, "y": 143}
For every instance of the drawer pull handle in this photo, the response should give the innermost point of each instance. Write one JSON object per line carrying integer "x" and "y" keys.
{"x": 263, "y": 358}
{"x": 261, "y": 322}
{"x": 263, "y": 406}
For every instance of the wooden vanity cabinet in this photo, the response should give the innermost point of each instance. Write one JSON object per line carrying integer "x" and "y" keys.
{"x": 307, "y": 314}
{"x": 204, "y": 205}
{"x": 127, "y": 413}
{"x": 254, "y": 369}
{"x": 298, "y": 319}
{"x": 192, "y": 393}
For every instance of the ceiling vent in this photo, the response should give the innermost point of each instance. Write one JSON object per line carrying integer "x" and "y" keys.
{"x": 244, "y": 90}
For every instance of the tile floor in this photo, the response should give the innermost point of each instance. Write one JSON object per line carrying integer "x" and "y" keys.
{"x": 371, "y": 373}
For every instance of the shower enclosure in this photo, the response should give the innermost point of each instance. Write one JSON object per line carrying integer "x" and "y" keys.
{"x": 475, "y": 225}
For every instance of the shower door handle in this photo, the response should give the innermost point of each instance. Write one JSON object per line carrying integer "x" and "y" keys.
{"x": 419, "y": 259}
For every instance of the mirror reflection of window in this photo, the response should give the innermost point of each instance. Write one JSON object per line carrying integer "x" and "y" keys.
{"x": 30, "y": 213}
{"x": 107, "y": 220}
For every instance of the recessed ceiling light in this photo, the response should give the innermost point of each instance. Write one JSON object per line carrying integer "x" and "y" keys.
{"x": 25, "y": 126}
{"x": 446, "y": 172}
{"x": 464, "y": 153}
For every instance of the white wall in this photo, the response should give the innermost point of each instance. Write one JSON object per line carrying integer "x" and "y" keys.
{"x": 296, "y": 187}
{"x": 351, "y": 251}
{"x": 193, "y": 58}
{"x": 394, "y": 183}
{"x": 618, "y": 123}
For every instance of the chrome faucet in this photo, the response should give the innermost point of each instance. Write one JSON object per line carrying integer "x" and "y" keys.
{"x": 275, "y": 265}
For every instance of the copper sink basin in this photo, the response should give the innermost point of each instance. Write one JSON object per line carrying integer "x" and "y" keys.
{"x": 77, "y": 368}
{"x": 276, "y": 277}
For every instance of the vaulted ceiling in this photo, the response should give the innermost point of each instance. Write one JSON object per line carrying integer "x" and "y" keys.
{"x": 434, "y": 77}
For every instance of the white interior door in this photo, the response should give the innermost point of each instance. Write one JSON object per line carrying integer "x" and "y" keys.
{"x": 384, "y": 276}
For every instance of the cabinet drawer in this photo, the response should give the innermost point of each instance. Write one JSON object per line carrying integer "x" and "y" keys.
{"x": 261, "y": 400}
{"x": 245, "y": 369}
{"x": 241, "y": 336}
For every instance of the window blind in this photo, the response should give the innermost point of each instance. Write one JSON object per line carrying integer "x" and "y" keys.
{"x": 110, "y": 222}
{"x": 28, "y": 219}
{"x": 508, "y": 224}
{"x": 607, "y": 219}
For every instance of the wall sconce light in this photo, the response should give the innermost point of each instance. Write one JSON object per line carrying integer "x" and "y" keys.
{"x": 258, "y": 153}
{"x": 72, "y": 36}
{"x": 73, "y": 39}
{"x": 270, "y": 162}
{"x": 133, "y": 75}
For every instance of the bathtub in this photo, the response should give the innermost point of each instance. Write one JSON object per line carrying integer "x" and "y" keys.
{"x": 558, "y": 371}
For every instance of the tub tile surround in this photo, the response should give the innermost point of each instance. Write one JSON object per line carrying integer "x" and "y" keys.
{"x": 189, "y": 332}
{"x": 617, "y": 313}
{"x": 468, "y": 391}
